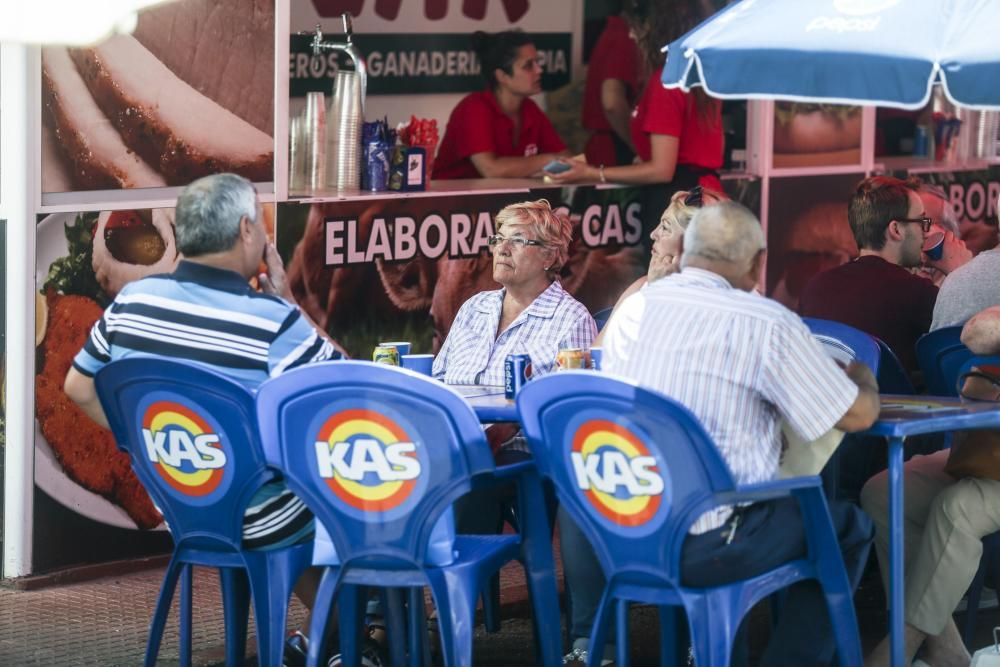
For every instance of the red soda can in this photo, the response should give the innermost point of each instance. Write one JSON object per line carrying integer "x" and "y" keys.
{"x": 516, "y": 371}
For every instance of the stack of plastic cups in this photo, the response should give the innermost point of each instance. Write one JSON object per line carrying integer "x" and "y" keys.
{"x": 296, "y": 154}
{"x": 315, "y": 142}
{"x": 344, "y": 133}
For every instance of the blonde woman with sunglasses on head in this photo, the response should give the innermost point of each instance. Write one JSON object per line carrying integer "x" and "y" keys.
{"x": 668, "y": 237}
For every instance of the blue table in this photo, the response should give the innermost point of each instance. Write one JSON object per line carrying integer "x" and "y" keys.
{"x": 902, "y": 417}
{"x": 488, "y": 402}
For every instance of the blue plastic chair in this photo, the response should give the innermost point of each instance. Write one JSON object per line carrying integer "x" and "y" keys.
{"x": 940, "y": 355}
{"x": 990, "y": 561}
{"x": 602, "y": 316}
{"x": 648, "y": 440}
{"x": 379, "y": 454}
{"x": 892, "y": 377}
{"x": 845, "y": 343}
{"x": 191, "y": 435}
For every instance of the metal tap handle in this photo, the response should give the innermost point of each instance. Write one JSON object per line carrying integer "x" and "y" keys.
{"x": 348, "y": 28}
{"x": 349, "y": 48}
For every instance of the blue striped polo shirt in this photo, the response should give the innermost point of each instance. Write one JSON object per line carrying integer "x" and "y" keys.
{"x": 212, "y": 316}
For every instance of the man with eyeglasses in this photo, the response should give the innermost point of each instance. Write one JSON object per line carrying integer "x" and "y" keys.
{"x": 876, "y": 292}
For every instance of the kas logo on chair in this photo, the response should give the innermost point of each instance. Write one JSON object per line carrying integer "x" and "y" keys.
{"x": 617, "y": 473}
{"x": 185, "y": 450}
{"x": 367, "y": 460}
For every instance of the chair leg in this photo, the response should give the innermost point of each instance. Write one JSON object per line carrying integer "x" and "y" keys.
{"x": 395, "y": 620}
{"x": 491, "y": 604}
{"x": 599, "y": 631}
{"x": 621, "y": 621}
{"x": 187, "y": 580}
{"x": 843, "y": 620}
{"x": 235, "y": 610}
{"x": 712, "y": 628}
{"x": 420, "y": 653}
{"x": 456, "y": 607}
{"x": 162, "y": 610}
{"x": 271, "y": 580}
{"x": 670, "y": 644}
{"x": 349, "y": 614}
{"x": 321, "y": 617}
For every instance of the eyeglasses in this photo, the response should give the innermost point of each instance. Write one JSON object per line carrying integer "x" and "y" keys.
{"x": 516, "y": 241}
{"x": 694, "y": 197}
{"x": 925, "y": 222}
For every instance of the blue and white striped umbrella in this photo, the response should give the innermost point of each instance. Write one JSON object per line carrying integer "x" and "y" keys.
{"x": 884, "y": 52}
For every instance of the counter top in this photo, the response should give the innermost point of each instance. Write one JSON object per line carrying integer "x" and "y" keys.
{"x": 465, "y": 186}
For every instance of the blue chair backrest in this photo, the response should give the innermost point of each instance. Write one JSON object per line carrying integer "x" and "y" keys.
{"x": 844, "y": 342}
{"x": 191, "y": 435}
{"x": 631, "y": 466}
{"x": 990, "y": 363}
{"x": 892, "y": 377}
{"x": 377, "y": 452}
{"x": 941, "y": 354}
{"x": 602, "y": 316}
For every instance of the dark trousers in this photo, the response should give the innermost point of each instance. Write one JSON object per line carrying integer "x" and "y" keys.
{"x": 769, "y": 534}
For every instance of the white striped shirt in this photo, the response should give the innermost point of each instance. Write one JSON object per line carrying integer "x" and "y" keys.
{"x": 740, "y": 362}
{"x": 474, "y": 354}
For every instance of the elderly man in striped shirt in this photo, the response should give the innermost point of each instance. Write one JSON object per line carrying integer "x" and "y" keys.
{"x": 743, "y": 364}
{"x": 206, "y": 311}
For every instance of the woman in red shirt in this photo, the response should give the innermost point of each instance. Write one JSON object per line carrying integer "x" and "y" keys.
{"x": 500, "y": 132}
{"x": 677, "y": 136}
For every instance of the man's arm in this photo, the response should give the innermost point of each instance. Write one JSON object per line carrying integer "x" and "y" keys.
{"x": 275, "y": 282}
{"x": 80, "y": 388}
{"x": 864, "y": 411}
{"x": 981, "y": 334}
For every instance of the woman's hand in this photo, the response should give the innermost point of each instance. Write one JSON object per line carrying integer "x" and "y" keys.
{"x": 661, "y": 266}
{"x": 578, "y": 171}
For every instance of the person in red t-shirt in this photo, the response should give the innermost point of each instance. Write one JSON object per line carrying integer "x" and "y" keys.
{"x": 613, "y": 76}
{"x": 500, "y": 132}
{"x": 677, "y": 136}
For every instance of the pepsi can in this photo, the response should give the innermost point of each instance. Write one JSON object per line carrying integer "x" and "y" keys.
{"x": 516, "y": 369}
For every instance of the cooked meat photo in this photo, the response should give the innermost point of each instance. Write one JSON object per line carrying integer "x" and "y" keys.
{"x": 189, "y": 95}
{"x": 86, "y": 451}
{"x": 129, "y": 245}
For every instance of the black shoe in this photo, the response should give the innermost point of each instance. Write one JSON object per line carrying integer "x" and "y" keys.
{"x": 296, "y": 650}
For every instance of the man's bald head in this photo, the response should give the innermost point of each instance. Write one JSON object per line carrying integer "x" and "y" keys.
{"x": 726, "y": 239}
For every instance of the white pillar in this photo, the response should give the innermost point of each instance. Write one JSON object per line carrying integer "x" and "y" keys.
{"x": 18, "y": 185}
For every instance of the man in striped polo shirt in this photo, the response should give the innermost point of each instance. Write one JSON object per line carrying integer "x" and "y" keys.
{"x": 206, "y": 311}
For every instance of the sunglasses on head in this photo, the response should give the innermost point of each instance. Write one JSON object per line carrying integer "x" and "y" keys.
{"x": 694, "y": 197}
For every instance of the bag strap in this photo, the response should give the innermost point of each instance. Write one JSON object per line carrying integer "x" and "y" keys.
{"x": 980, "y": 374}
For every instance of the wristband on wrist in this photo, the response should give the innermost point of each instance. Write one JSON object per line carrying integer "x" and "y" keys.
{"x": 600, "y": 170}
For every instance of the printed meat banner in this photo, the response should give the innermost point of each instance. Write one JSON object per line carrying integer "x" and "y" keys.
{"x": 89, "y": 506}
{"x": 399, "y": 269}
{"x": 190, "y": 93}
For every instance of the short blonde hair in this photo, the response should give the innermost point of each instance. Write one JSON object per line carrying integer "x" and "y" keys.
{"x": 680, "y": 213}
{"x": 553, "y": 229}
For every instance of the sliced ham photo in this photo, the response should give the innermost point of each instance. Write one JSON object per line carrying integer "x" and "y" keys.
{"x": 98, "y": 159}
{"x": 191, "y": 95}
